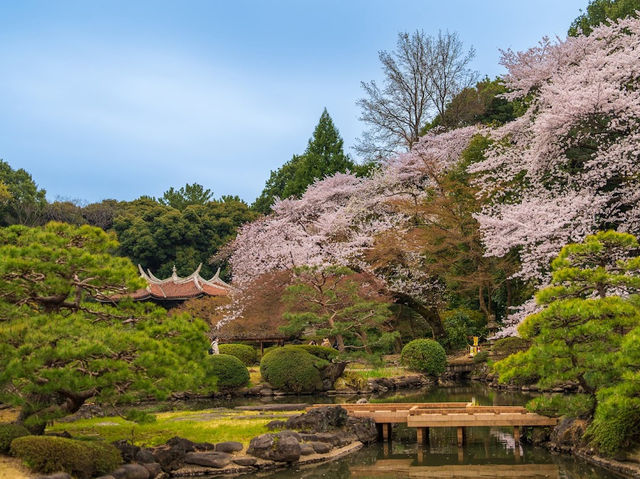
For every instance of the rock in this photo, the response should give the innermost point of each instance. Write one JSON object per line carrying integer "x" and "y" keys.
{"x": 57, "y": 475}
{"x": 181, "y": 443}
{"x": 229, "y": 447}
{"x": 245, "y": 461}
{"x": 364, "y": 428}
{"x": 332, "y": 372}
{"x": 320, "y": 447}
{"x": 279, "y": 447}
{"x": 308, "y": 436}
{"x": 540, "y": 435}
{"x": 208, "y": 459}
{"x": 145, "y": 456}
{"x": 204, "y": 446}
{"x": 319, "y": 419}
{"x": 294, "y": 434}
{"x": 169, "y": 458}
{"x": 266, "y": 392}
{"x": 136, "y": 471}
{"x": 337, "y": 439}
{"x": 306, "y": 449}
{"x": 568, "y": 434}
{"x": 101, "y": 477}
{"x": 127, "y": 450}
{"x": 362, "y": 401}
{"x": 277, "y": 424}
{"x": 153, "y": 468}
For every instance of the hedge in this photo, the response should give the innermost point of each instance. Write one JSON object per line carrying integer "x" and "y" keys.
{"x": 424, "y": 355}
{"x": 9, "y": 432}
{"x": 322, "y": 352}
{"x": 81, "y": 459}
{"x": 229, "y": 370}
{"x": 247, "y": 354}
{"x": 291, "y": 368}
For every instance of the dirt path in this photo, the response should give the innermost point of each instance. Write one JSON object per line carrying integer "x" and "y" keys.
{"x": 12, "y": 468}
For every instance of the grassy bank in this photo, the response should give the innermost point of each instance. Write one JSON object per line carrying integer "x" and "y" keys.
{"x": 212, "y": 425}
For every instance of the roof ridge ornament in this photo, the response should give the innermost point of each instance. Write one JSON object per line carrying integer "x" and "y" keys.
{"x": 174, "y": 273}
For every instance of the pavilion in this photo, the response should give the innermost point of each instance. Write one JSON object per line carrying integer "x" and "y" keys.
{"x": 174, "y": 290}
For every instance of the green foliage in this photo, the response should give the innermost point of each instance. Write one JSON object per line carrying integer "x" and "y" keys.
{"x": 480, "y": 104}
{"x": 187, "y": 195}
{"x": 323, "y": 157}
{"x": 573, "y": 405}
{"x": 9, "y": 432}
{"x": 60, "y": 347}
{"x": 424, "y": 355}
{"x": 616, "y": 424}
{"x": 577, "y": 336}
{"x": 352, "y": 380}
{"x": 229, "y": 371}
{"x": 322, "y": 352}
{"x": 460, "y": 324}
{"x": 507, "y": 346}
{"x": 139, "y": 417}
{"x": 82, "y": 459}
{"x": 291, "y": 368}
{"x": 337, "y": 302}
{"x": 21, "y": 202}
{"x": 245, "y": 353}
{"x": 159, "y": 237}
{"x": 601, "y": 11}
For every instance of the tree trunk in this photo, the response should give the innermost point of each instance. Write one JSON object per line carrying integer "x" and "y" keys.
{"x": 37, "y": 419}
{"x": 430, "y": 314}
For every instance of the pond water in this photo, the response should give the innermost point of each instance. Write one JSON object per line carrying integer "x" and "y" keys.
{"x": 488, "y": 452}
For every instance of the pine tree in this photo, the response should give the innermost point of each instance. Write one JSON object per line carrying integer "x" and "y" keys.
{"x": 323, "y": 156}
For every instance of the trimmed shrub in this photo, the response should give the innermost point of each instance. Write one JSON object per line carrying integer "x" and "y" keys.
{"x": 481, "y": 357}
{"x": 291, "y": 368}
{"x": 322, "y": 352}
{"x": 81, "y": 459}
{"x": 247, "y": 354}
{"x": 9, "y": 432}
{"x": 507, "y": 346}
{"x": 229, "y": 370}
{"x": 424, "y": 355}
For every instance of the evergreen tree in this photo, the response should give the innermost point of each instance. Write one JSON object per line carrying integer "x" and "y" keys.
{"x": 324, "y": 156}
{"x": 603, "y": 11}
{"x": 60, "y": 347}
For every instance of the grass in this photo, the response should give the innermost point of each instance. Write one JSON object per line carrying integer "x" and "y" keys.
{"x": 386, "y": 372}
{"x": 212, "y": 425}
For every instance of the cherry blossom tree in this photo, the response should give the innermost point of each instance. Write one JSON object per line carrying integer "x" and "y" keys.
{"x": 569, "y": 166}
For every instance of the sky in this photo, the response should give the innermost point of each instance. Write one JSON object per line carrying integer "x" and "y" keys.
{"x": 118, "y": 99}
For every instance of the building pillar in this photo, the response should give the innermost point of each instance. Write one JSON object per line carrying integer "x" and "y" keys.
{"x": 461, "y": 436}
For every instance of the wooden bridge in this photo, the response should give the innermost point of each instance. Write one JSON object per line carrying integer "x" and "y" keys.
{"x": 460, "y": 415}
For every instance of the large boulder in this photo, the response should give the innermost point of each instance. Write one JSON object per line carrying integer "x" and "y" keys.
{"x": 281, "y": 447}
{"x": 319, "y": 419}
{"x": 131, "y": 471}
{"x": 364, "y": 428}
{"x": 229, "y": 447}
{"x": 127, "y": 450}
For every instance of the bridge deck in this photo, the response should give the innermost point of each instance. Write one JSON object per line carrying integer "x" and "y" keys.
{"x": 455, "y": 414}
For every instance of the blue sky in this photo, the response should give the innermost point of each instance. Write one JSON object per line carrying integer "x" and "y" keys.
{"x": 116, "y": 99}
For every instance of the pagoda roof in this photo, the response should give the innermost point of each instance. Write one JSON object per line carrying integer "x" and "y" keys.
{"x": 176, "y": 288}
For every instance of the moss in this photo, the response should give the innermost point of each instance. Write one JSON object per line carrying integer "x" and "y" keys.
{"x": 82, "y": 459}
{"x": 291, "y": 368}
{"x": 229, "y": 370}
{"x": 424, "y": 355}
{"x": 9, "y": 432}
{"x": 247, "y": 354}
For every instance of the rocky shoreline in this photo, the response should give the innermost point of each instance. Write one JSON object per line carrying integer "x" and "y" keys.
{"x": 320, "y": 435}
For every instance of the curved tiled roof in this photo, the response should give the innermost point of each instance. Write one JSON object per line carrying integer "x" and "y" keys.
{"x": 176, "y": 288}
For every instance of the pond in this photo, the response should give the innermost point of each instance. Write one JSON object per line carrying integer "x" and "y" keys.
{"x": 488, "y": 452}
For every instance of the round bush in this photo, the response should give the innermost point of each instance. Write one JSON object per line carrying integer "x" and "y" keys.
{"x": 424, "y": 355}
{"x": 9, "y": 432}
{"x": 247, "y": 354}
{"x": 81, "y": 459}
{"x": 291, "y": 368}
{"x": 229, "y": 370}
